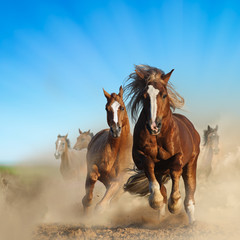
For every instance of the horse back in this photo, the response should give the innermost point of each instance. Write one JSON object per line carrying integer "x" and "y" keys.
{"x": 189, "y": 137}
{"x": 98, "y": 141}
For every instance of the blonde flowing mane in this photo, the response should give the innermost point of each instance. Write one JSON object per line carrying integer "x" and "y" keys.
{"x": 136, "y": 85}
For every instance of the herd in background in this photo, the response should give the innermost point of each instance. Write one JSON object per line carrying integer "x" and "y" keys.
{"x": 109, "y": 155}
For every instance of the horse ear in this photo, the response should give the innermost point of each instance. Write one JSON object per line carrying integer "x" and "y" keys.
{"x": 166, "y": 77}
{"x": 66, "y": 136}
{"x": 80, "y": 131}
{"x": 120, "y": 92}
{"x": 209, "y": 128}
{"x": 139, "y": 73}
{"x": 107, "y": 95}
{"x": 88, "y": 131}
{"x": 216, "y": 128}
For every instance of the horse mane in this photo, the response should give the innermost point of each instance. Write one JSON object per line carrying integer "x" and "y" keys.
{"x": 137, "y": 85}
{"x": 205, "y": 135}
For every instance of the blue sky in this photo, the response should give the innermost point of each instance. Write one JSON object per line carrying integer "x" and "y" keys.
{"x": 56, "y": 56}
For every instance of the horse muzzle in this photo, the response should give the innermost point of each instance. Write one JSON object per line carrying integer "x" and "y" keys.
{"x": 57, "y": 155}
{"x": 154, "y": 127}
{"x": 115, "y": 131}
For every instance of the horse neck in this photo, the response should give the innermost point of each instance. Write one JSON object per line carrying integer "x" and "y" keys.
{"x": 167, "y": 122}
{"x": 208, "y": 152}
{"x": 65, "y": 158}
{"x": 126, "y": 125}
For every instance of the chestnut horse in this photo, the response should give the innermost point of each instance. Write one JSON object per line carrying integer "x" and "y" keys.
{"x": 83, "y": 140}
{"x": 163, "y": 143}
{"x": 210, "y": 148}
{"x": 109, "y": 152}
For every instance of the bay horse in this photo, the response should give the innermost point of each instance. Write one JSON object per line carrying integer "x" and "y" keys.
{"x": 83, "y": 140}
{"x": 72, "y": 165}
{"x": 164, "y": 143}
{"x": 210, "y": 148}
{"x": 109, "y": 153}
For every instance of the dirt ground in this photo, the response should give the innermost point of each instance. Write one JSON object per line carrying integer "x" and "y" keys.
{"x": 35, "y": 203}
{"x": 178, "y": 232}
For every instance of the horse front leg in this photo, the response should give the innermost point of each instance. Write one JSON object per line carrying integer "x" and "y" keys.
{"x": 189, "y": 177}
{"x": 175, "y": 201}
{"x": 91, "y": 179}
{"x": 155, "y": 199}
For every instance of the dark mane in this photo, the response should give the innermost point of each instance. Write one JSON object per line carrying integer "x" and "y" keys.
{"x": 137, "y": 85}
{"x": 205, "y": 137}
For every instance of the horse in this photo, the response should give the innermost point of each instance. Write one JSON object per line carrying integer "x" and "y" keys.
{"x": 71, "y": 166}
{"x": 109, "y": 153}
{"x": 210, "y": 148}
{"x": 83, "y": 140}
{"x": 164, "y": 143}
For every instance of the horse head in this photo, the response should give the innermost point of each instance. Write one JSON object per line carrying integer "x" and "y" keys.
{"x": 211, "y": 138}
{"x": 83, "y": 140}
{"x": 116, "y": 112}
{"x": 156, "y": 103}
{"x": 61, "y": 144}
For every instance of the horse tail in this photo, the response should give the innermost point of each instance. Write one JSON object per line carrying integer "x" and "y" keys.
{"x": 138, "y": 183}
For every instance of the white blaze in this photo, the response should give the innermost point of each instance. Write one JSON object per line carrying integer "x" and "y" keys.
{"x": 115, "y": 107}
{"x": 153, "y": 92}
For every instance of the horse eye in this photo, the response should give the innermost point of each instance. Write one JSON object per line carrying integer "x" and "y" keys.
{"x": 164, "y": 96}
{"x": 122, "y": 108}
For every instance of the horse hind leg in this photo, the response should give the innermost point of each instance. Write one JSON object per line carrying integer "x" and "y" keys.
{"x": 189, "y": 178}
{"x": 175, "y": 200}
{"x": 111, "y": 190}
{"x": 91, "y": 179}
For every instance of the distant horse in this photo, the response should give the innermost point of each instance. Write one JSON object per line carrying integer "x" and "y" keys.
{"x": 83, "y": 140}
{"x": 72, "y": 165}
{"x": 210, "y": 148}
{"x": 109, "y": 152}
{"x": 163, "y": 143}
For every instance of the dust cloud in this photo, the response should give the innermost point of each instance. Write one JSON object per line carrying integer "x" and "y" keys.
{"x": 36, "y": 195}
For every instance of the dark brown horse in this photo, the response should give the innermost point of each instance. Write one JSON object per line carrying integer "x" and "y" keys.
{"x": 163, "y": 142}
{"x": 109, "y": 152}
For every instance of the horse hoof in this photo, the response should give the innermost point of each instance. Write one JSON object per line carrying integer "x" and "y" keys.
{"x": 99, "y": 209}
{"x": 162, "y": 212}
{"x": 155, "y": 201}
{"x": 175, "y": 207}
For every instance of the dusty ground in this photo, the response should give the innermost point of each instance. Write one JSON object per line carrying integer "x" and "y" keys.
{"x": 178, "y": 232}
{"x": 35, "y": 203}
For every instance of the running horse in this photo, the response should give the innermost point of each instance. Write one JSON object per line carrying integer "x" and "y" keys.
{"x": 109, "y": 153}
{"x": 83, "y": 140}
{"x": 210, "y": 148}
{"x": 72, "y": 166}
{"x": 164, "y": 143}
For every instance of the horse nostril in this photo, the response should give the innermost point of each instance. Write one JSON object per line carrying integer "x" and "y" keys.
{"x": 159, "y": 124}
